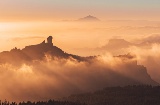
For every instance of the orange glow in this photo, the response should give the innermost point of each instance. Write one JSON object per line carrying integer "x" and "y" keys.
{"x": 65, "y": 33}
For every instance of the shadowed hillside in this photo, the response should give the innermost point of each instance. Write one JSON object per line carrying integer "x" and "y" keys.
{"x": 129, "y": 95}
{"x": 50, "y": 102}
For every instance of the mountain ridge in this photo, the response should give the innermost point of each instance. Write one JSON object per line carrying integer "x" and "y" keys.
{"x": 130, "y": 68}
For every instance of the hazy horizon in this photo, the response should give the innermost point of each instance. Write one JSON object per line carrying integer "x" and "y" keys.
{"x": 28, "y": 18}
{"x": 69, "y": 35}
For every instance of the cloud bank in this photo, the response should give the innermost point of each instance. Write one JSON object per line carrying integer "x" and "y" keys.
{"x": 54, "y": 77}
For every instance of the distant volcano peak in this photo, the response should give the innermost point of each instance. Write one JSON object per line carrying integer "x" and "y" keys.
{"x": 89, "y": 18}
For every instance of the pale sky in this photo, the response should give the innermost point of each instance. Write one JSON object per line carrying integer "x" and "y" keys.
{"x": 71, "y": 9}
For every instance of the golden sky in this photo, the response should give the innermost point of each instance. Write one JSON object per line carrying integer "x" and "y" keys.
{"x": 24, "y": 22}
{"x": 29, "y": 22}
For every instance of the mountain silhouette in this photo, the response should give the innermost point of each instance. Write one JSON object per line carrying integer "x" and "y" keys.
{"x": 89, "y": 18}
{"x": 39, "y": 51}
{"x": 121, "y": 43}
{"x": 118, "y": 44}
{"x": 150, "y": 40}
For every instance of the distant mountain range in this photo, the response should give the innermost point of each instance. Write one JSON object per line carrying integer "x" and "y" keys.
{"x": 120, "y": 46}
{"x": 121, "y": 43}
{"x": 117, "y": 44}
{"x": 88, "y": 18}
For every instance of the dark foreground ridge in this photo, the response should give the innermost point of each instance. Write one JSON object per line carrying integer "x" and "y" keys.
{"x": 129, "y": 95}
{"x": 50, "y": 102}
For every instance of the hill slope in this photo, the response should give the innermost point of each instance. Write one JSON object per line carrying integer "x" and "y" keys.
{"x": 129, "y": 95}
